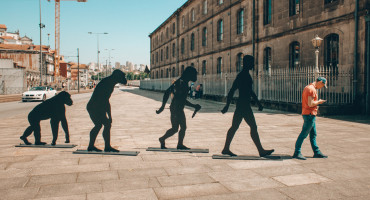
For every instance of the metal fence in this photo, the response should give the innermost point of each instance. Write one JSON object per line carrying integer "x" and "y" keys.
{"x": 279, "y": 85}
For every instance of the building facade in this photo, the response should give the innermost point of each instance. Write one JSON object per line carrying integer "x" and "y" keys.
{"x": 213, "y": 36}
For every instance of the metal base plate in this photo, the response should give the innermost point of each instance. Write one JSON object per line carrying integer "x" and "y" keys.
{"x": 246, "y": 157}
{"x": 120, "y": 153}
{"x": 48, "y": 146}
{"x": 178, "y": 150}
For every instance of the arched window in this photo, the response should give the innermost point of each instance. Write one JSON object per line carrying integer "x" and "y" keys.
{"x": 239, "y": 61}
{"x": 192, "y": 42}
{"x": 219, "y": 65}
{"x": 156, "y": 74}
{"x": 173, "y": 72}
{"x": 204, "y": 67}
{"x": 192, "y": 15}
{"x": 182, "y": 69}
{"x": 183, "y": 21}
{"x": 161, "y": 73}
{"x": 240, "y": 22}
{"x": 173, "y": 28}
{"x": 267, "y": 58}
{"x": 167, "y": 74}
{"x": 331, "y": 49}
{"x": 173, "y": 50}
{"x": 205, "y": 10}
{"x": 220, "y": 30}
{"x": 153, "y": 58}
{"x": 167, "y": 33}
{"x": 294, "y": 7}
{"x": 182, "y": 45}
{"x": 167, "y": 52}
{"x": 294, "y": 55}
{"x": 267, "y": 12}
{"x": 156, "y": 57}
{"x": 161, "y": 54}
{"x": 204, "y": 37}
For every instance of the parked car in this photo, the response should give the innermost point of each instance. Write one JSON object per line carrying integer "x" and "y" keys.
{"x": 40, "y": 93}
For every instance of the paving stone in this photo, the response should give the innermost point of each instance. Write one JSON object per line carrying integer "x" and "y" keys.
{"x": 141, "y": 173}
{"x": 129, "y": 184}
{"x": 97, "y": 176}
{"x": 46, "y": 163}
{"x": 19, "y": 193}
{"x": 72, "y": 197}
{"x": 310, "y": 191}
{"x": 188, "y": 179}
{"x": 177, "y": 192}
{"x": 52, "y": 179}
{"x": 281, "y": 170}
{"x": 70, "y": 169}
{"x": 69, "y": 189}
{"x": 14, "y": 182}
{"x": 196, "y": 169}
{"x": 141, "y": 194}
{"x": 301, "y": 179}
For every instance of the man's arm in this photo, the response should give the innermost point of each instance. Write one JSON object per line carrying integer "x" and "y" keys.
{"x": 230, "y": 96}
{"x": 255, "y": 98}
{"x": 109, "y": 113}
{"x": 313, "y": 103}
{"x": 165, "y": 98}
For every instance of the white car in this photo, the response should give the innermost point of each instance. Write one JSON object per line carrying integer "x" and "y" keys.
{"x": 40, "y": 93}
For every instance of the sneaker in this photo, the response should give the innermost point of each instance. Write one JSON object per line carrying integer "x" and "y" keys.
{"x": 299, "y": 156}
{"x": 319, "y": 155}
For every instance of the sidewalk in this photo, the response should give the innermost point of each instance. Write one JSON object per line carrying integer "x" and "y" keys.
{"x": 31, "y": 173}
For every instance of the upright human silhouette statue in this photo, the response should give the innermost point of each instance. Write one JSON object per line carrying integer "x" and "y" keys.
{"x": 180, "y": 91}
{"x": 100, "y": 111}
{"x": 243, "y": 83}
{"x": 52, "y": 109}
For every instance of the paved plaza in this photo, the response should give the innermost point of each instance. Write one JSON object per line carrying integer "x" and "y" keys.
{"x": 42, "y": 173}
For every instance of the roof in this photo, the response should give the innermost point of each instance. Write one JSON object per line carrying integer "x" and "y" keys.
{"x": 7, "y": 37}
{"x": 26, "y": 38}
{"x": 74, "y": 66}
{"x": 23, "y": 47}
{"x": 3, "y": 26}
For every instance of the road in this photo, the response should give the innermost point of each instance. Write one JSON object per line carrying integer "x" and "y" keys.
{"x": 9, "y": 109}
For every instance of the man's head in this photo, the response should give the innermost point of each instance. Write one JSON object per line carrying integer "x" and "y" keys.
{"x": 190, "y": 73}
{"x": 248, "y": 62}
{"x": 119, "y": 76}
{"x": 65, "y": 97}
{"x": 321, "y": 82}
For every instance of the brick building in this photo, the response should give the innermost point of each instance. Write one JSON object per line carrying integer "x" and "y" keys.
{"x": 213, "y": 35}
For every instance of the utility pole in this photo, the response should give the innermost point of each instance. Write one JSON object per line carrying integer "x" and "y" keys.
{"x": 78, "y": 70}
{"x": 41, "y": 26}
{"x": 106, "y": 68}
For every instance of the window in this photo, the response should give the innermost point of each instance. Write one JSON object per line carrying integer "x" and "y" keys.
{"x": 153, "y": 58}
{"x": 167, "y": 52}
{"x": 156, "y": 57}
{"x": 220, "y": 2}
{"x": 167, "y": 33}
{"x": 219, "y": 65}
{"x": 173, "y": 28}
{"x": 331, "y": 51}
{"x": 161, "y": 73}
{"x": 204, "y": 37}
{"x": 167, "y": 74}
{"x": 239, "y": 61}
{"x": 182, "y": 68}
{"x": 267, "y": 11}
{"x": 204, "y": 67}
{"x": 330, "y": 1}
{"x": 267, "y": 58}
{"x": 173, "y": 50}
{"x": 294, "y": 55}
{"x": 220, "y": 31}
{"x": 182, "y": 45}
{"x": 240, "y": 22}
{"x": 205, "y": 10}
{"x": 156, "y": 75}
{"x": 294, "y": 7}
{"x": 192, "y": 42}
{"x": 161, "y": 37}
{"x": 183, "y": 21}
{"x": 173, "y": 72}
{"x": 192, "y": 15}
{"x": 161, "y": 54}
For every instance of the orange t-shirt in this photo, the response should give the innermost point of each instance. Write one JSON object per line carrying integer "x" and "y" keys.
{"x": 309, "y": 90}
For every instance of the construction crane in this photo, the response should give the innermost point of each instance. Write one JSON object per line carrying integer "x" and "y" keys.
{"x": 57, "y": 36}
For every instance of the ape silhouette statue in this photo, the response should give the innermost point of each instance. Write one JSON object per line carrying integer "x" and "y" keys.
{"x": 99, "y": 107}
{"x": 52, "y": 109}
{"x": 243, "y": 83}
{"x": 180, "y": 90}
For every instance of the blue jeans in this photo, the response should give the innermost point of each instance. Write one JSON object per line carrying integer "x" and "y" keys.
{"x": 309, "y": 127}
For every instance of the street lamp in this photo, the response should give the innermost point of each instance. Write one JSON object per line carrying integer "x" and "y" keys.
{"x": 109, "y": 58}
{"x": 316, "y": 42}
{"x": 97, "y": 35}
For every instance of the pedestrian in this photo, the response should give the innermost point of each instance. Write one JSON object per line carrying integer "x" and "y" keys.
{"x": 197, "y": 89}
{"x": 309, "y": 112}
{"x": 192, "y": 90}
{"x": 180, "y": 89}
{"x": 200, "y": 90}
{"x": 243, "y": 83}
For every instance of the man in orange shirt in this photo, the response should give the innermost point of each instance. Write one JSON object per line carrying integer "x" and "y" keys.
{"x": 309, "y": 112}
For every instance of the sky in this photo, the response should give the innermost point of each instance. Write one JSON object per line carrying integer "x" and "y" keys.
{"x": 127, "y": 22}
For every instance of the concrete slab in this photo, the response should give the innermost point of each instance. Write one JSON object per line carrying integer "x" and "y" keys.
{"x": 178, "y": 150}
{"x": 120, "y": 153}
{"x": 177, "y": 192}
{"x": 141, "y": 194}
{"x": 47, "y": 146}
{"x": 245, "y": 157}
{"x": 301, "y": 179}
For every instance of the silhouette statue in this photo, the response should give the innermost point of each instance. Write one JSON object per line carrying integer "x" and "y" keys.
{"x": 99, "y": 107}
{"x": 52, "y": 109}
{"x": 243, "y": 83}
{"x": 180, "y": 91}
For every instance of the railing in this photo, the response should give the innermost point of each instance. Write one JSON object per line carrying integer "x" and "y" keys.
{"x": 279, "y": 85}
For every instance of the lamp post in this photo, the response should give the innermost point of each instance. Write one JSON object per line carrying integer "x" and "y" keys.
{"x": 109, "y": 58}
{"x": 316, "y": 42}
{"x": 97, "y": 35}
{"x": 41, "y": 27}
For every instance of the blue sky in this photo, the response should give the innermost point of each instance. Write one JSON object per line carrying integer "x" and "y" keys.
{"x": 128, "y": 23}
